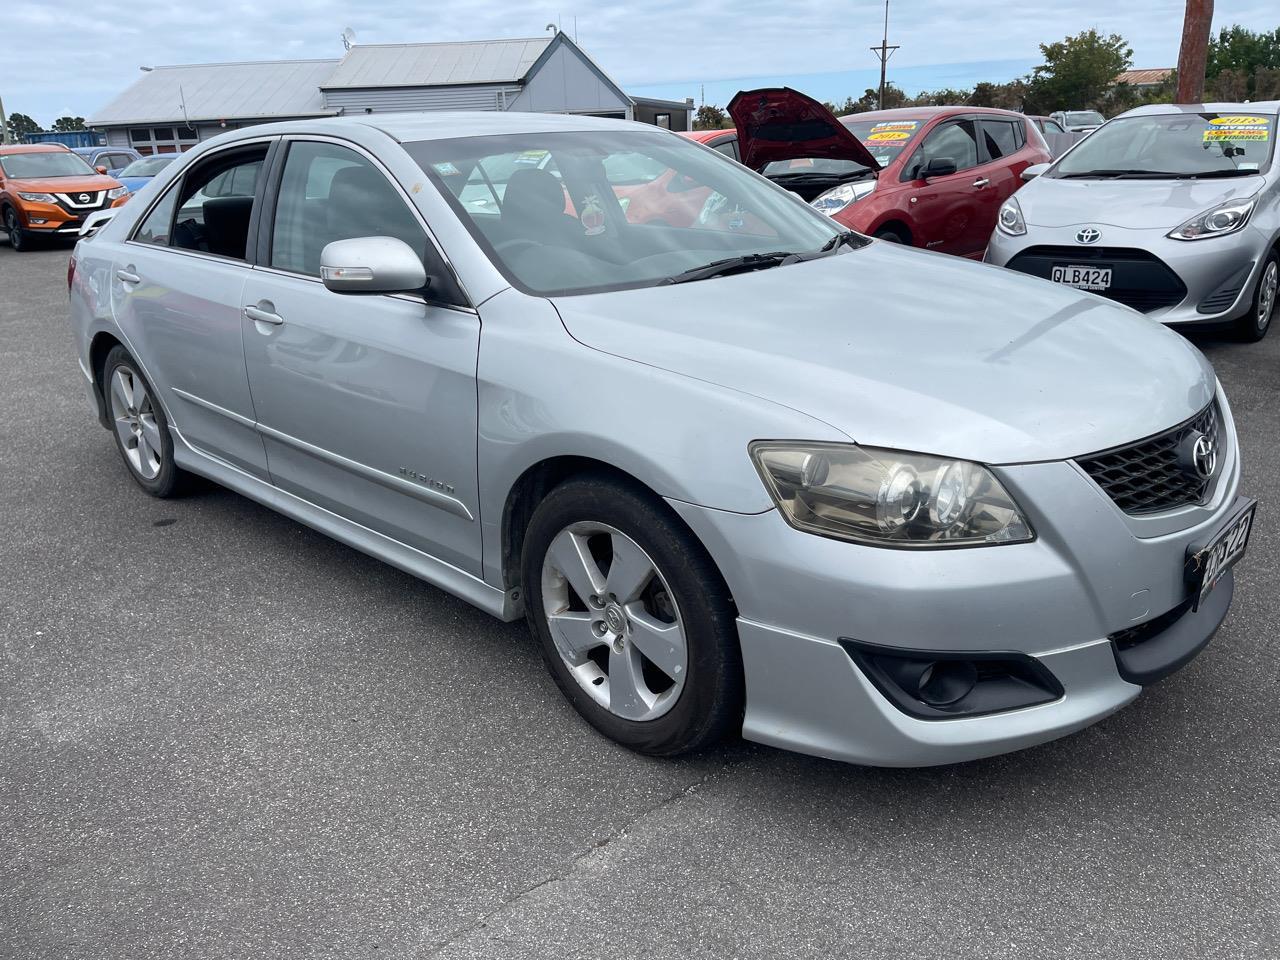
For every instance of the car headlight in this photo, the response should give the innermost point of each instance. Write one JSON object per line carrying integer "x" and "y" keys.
{"x": 837, "y": 198}
{"x": 38, "y": 197}
{"x": 888, "y": 498}
{"x": 1217, "y": 221}
{"x": 115, "y": 193}
{"x": 1009, "y": 220}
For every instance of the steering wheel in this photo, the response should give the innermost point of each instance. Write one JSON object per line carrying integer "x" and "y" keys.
{"x": 507, "y": 245}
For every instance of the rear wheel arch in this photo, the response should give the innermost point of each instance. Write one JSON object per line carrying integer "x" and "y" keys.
{"x": 101, "y": 345}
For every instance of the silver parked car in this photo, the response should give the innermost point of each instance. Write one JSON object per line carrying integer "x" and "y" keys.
{"x": 741, "y": 470}
{"x": 1172, "y": 210}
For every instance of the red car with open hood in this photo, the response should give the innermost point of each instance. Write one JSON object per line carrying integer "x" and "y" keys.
{"x": 932, "y": 177}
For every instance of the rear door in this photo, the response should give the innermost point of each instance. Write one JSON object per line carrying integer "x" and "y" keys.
{"x": 366, "y": 403}
{"x": 176, "y": 294}
{"x": 947, "y": 209}
{"x": 1003, "y": 145}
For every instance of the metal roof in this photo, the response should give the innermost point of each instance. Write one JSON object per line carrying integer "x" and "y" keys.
{"x": 436, "y": 64}
{"x": 218, "y": 91}
{"x": 1144, "y": 77}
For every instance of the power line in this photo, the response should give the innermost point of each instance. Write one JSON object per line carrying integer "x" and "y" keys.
{"x": 883, "y": 53}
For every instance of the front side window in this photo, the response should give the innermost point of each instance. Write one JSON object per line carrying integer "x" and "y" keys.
{"x": 565, "y": 216}
{"x": 329, "y": 193}
{"x": 951, "y": 141}
{"x": 45, "y": 165}
{"x": 1174, "y": 145}
{"x": 728, "y": 147}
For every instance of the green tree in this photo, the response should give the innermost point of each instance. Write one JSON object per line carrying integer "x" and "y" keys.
{"x": 946, "y": 97}
{"x": 710, "y": 117}
{"x": 893, "y": 97}
{"x": 1005, "y": 96}
{"x": 1078, "y": 72}
{"x": 19, "y": 125}
{"x": 1237, "y": 50}
{"x": 68, "y": 124}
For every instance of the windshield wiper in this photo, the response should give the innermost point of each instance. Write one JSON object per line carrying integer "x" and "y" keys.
{"x": 1120, "y": 174}
{"x": 741, "y": 264}
{"x": 841, "y": 239}
{"x": 1233, "y": 172}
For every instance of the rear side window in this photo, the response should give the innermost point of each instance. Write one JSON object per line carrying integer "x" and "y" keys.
{"x": 999, "y": 137}
{"x": 329, "y": 193}
{"x": 156, "y": 227}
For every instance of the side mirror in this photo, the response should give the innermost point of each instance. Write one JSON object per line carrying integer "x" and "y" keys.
{"x": 939, "y": 167}
{"x": 371, "y": 265}
{"x": 1034, "y": 171}
{"x": 100, "y": 168}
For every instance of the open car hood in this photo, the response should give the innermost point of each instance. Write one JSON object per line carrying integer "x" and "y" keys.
{"x": 778, "y": 123}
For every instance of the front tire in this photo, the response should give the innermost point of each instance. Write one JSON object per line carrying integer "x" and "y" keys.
{"x": 892, "y": 235}
{"x": 635, "y": 622}
{"x": 139, "y": 426}
{"x": 18, "y": 238}
{"x": 1253, "y": 326}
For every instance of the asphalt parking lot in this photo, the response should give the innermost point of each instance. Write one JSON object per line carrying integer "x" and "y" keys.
{"x": 224, "y": 735}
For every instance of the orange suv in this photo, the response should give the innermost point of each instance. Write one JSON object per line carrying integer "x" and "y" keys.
{"x": 46, "y": 190}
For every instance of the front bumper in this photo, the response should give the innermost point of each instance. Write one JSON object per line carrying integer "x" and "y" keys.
{"x": 1093, "y": 571}
{"x": 52, "y": 219}
{"x": 1214, "y": 279}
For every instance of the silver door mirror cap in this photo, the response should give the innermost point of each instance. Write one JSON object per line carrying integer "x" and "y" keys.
{"x": 1034, "y": 171}
{"x": 371, "y": 265}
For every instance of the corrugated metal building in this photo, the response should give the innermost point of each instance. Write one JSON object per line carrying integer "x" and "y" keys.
{"x": 172, "y": 108}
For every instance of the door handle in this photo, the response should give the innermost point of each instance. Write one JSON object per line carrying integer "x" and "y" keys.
{"x": 260, "y": 315}
{"x": 981, "y": 182}
{"x": 126, "y": 276}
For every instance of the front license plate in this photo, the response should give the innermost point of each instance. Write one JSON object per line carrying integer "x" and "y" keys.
{"x": 1082, "y": 278}
{"x": 1206, "y": 565}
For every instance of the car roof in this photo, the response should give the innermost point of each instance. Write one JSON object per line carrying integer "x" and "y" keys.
{"x": 450, "y": 125}
{"x": 1267, "y": 107}
{"x": 702, "y": 136}
{"x": 928, "y": 113}
{"x": 33, "y": 148}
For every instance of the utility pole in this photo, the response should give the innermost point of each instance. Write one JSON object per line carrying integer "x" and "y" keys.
{"x": 1195, "y": 50}
{"x": 884, "y": 52}
{"x": 4, "y": 126}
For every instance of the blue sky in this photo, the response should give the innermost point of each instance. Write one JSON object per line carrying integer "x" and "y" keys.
{"x": 666, "y": 48}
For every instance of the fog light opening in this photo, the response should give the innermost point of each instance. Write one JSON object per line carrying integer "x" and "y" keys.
{"x": 947, "y": 681}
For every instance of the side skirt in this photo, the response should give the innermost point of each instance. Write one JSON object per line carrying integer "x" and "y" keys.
{"x": 447, "y": 577}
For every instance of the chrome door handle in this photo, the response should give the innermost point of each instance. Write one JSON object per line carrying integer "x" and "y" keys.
{"x": 981, "y": 182}
{"x": 258, "y": 315}
{"x": 124, "y": 276}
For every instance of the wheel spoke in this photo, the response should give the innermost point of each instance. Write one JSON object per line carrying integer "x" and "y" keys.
{"x": 629, "y": 697}
{"x": 124, "y": 430}
{"x": 121, "y": 392}
{"x": 570, "y": 556}
{"x": 573, "y": 635}
{"x": 663, "y": 643}
{"x": 151, "y": 432}
{"x": 629, "y": 570}
{"x": 144, "y": 454}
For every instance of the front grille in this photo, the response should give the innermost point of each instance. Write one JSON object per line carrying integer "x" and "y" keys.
{"x": 72, "y": 203}
{"x": 1150, "y": 476}
{"x": 1138, "y": 279}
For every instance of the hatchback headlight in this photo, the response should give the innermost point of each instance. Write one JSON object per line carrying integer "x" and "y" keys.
{"x": 1009, "y": 220}
{"x": 38, "y": 197}
{"x": 837, "y": 198}
{"x": 1217, "y": 221}
{"x": 115, "y": 193}
{"x": 888, "y": 498}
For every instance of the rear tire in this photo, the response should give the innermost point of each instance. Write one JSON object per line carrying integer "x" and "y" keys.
{"x": 139, "y": 426}
{"x": 635, "y": 622}
{"x": 1253, "y": 326}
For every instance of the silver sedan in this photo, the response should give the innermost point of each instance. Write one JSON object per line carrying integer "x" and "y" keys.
{"x": 742, "y": 471}
{"x": 1172, "y": 210}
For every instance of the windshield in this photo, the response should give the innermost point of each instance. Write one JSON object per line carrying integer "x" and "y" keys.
{"x": 1173, "y": 145}
{"x": 147, "y": 166}
{"x": 40, "y": 166}
{"x": 1084, "y": 118}
{"x": 579, "y": 212}
{"x": 884, "y": 139}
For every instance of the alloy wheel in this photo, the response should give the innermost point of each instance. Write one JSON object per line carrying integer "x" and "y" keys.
{"x": 1269, "y": 284}
{"x": 13, "y": 229}
{"x": 133, "y": 412}
{"x": 614, "y": 621}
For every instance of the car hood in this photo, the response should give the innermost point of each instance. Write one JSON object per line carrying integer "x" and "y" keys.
{"x": 134, "y": 184}
{"x": 778, "y": 123}
{"x": 1133, "y": 204}
{"x": 915, "y": 351}
{"x": 90, "y": 183}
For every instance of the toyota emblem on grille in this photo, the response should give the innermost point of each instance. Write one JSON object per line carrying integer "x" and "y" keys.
{"x": 84, "y": 198}
{"x": 1204, "y": 456}
{"x": 1089, "y": 235}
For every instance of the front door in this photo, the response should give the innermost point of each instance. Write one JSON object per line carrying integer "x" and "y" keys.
{"x": 176, "y": 292}
{"x": 947, "y": 208}
{"x": 366, "y": 403}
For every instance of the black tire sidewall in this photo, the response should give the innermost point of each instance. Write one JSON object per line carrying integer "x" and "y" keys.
{"x": 1249, "y": 323}
{"x": 18, "y": 239}
{"x": 710, "y": 705}
{"x": 166, "y": 481}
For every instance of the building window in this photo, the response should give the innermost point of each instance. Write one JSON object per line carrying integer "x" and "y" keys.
{"x": 152, "y": 140}
{"x": 663, "y": 120}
